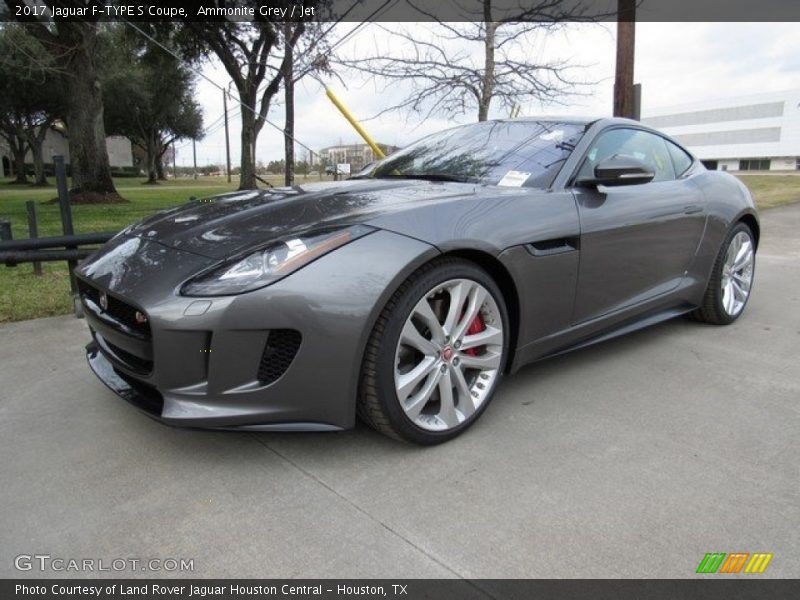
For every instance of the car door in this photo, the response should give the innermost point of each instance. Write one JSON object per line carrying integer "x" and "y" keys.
{"x": 637, "y": 241}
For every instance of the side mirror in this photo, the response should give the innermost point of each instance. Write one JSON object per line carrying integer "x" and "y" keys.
{"x": 619, "y": 170}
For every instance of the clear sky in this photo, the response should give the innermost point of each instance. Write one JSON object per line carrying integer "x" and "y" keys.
{"x": 675, "y": 63}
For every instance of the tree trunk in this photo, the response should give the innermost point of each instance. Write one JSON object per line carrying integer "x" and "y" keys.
{"x": 288, "y": 82}
{"x": 18, "y": 150}
{"x": 485, "y": 100}
{"x": 162, "y": 148}
{"x": 38, "y": 165}
{"x": 247, "y": 178}
{"x": 88, "y": 154}
{"x": 36, "y": 141}
{"x": 150, "y": 161}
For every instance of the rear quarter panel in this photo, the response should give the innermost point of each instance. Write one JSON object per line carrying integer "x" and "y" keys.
{"x": 727, "y": 200}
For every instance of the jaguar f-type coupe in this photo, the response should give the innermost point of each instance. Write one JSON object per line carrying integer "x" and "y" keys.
{"x": 403, "y": 295}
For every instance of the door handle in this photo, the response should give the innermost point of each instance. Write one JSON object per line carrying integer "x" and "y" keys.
{"x": 693, "y": 209}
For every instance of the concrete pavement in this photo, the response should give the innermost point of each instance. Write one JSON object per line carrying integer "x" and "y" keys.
{"x": 630, "y": 459}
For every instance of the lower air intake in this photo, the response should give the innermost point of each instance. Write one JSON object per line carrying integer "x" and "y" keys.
{"x": 279, "y": 352}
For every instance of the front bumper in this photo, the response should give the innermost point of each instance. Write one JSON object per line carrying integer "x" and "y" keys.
{"x": 150, "y": 401}
{"x": 201, "y": 369}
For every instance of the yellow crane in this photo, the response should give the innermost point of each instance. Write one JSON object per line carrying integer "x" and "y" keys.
{"x": 356, "y": 125}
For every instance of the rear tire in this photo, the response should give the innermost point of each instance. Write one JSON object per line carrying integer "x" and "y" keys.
{"x": 436, "y": 354}
{"x": 731, "y": 280}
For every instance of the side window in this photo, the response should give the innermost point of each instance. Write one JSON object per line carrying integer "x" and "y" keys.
{"x": 680, "y": 160}
{"x": 641, "y": 145}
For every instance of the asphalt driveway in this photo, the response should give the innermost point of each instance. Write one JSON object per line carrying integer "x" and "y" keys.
{"x": 630, "y": 459}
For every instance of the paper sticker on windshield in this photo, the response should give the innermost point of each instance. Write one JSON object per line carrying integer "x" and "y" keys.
{"x": 514, "y": 179}
{"x": 556, "y": 134}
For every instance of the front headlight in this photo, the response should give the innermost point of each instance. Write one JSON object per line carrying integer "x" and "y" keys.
{"x": 271, "y": 263}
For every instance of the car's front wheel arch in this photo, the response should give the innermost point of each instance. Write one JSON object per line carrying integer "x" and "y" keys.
{"x": 498, "y": 272}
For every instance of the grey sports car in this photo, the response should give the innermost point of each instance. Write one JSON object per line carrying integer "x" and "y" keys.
{"x": 405, "y": 294}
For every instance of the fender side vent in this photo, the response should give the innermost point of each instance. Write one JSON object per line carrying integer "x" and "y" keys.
{"x": 279, "y": 352}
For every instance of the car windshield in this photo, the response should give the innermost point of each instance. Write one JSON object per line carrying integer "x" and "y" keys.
{"x": 509, "y": 153}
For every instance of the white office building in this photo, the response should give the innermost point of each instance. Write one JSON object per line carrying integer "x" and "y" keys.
{"x": 760, "y": 132}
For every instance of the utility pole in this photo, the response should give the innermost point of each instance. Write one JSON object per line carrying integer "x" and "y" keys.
{"x": 194, "y": 156}
{"x": 227, "y": 139}
{"x": 626, "y": 43}
{"x": 174, "y": 166}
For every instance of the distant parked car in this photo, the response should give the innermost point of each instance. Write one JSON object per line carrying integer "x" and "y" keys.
{"x": 404, "y": 294}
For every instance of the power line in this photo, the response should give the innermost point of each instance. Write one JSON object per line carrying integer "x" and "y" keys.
{"x": 216, "y": 85}
{"x": 219, "y": 121}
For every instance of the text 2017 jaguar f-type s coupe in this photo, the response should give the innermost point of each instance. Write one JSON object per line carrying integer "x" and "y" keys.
{"x": 404, "y": 294}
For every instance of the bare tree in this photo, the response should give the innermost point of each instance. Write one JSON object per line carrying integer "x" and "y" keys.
{"x": 453, "y": 82}
{"x": 253, "y": 54}
{"x": 288, "y": 95}
{"x": 309, "y": 56}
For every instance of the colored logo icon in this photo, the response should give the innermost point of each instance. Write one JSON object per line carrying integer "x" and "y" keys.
{"x": 737, "y": 562}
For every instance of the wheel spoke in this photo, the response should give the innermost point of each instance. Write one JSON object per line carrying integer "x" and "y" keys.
{"x": 738, "y": 292}
{"x": 447, "y": 408}
{"x": 742, "y": 281}
{"x": 458, "y": 294}
{"x": 489, "y": 360}
{"x": 423, "y": 396}
{"x": 412, "y": 337}
{"x": 491, "y": 336}
{"x": 743, "y": 256}
{"x": 466, "y": 404}
{"x": 408, "y": 381}
{"x": 476, "y": 298}
{"x": 424, "y": 311}
{"x": 727, "y": 298}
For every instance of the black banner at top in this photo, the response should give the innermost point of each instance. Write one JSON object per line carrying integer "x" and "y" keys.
{"x": 400, "y": 10}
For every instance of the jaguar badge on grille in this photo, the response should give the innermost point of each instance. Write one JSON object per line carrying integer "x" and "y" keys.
{"x": 104, "y": 301}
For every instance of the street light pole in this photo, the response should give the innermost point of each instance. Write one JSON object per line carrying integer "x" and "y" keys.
{"x": 227, "y": 138}
{"x": 194, "y": 156}
{"x": 624, "y": 103}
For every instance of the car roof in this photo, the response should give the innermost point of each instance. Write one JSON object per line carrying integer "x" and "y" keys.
{"x": 577, "y": 120}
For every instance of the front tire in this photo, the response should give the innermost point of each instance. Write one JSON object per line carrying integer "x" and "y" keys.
{"x": 731, "y": 279}
{"x": 436, "y": 354}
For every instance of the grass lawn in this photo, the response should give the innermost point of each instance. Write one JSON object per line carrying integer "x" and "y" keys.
{"x": 25, "y": 296}
{"x": 773, "y": 190}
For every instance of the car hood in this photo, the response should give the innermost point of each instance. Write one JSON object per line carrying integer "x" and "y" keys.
{"x": 227, "y": 224}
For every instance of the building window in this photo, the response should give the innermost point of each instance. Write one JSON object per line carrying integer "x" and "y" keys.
{"x": 754, "y": 164}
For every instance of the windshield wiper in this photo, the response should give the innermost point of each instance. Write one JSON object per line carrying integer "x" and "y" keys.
{"x": 425, "y": 176}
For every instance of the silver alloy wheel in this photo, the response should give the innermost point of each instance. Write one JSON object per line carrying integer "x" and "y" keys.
{"x": 737, "y": 273}
{"x": 449, "y": 354}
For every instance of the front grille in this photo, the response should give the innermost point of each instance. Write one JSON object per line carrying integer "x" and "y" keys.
{"x": 279, "y": 352}
{"x": 122, "y": 311}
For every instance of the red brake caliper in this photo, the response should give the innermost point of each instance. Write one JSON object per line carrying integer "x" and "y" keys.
{"x": 476, "y": 326}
